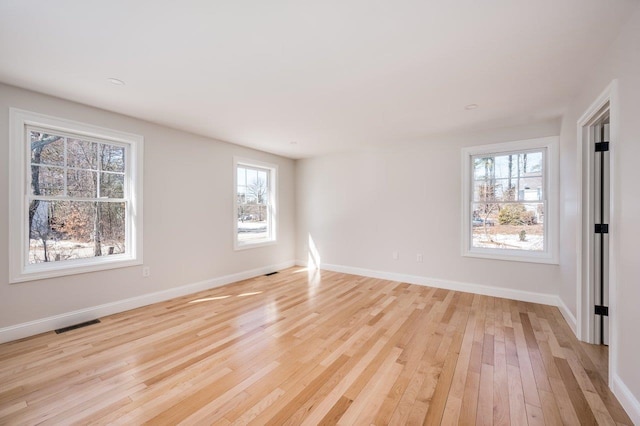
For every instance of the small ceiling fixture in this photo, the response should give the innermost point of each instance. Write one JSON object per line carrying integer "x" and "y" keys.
{"x": 471, "y": 106}
{"x": 115, "y": 81}
{"x": 293, "y": 143}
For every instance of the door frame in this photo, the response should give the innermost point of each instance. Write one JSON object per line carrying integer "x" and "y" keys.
{"x": 607, "y": 102}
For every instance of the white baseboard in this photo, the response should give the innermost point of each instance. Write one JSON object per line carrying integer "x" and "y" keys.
{"x": 507, "y": 293}
{"x": 568, "y": 316}
{"x": 628, "y": 401}
{"x": 31, "y": 328}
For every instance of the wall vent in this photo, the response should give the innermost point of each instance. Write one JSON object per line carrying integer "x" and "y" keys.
{"x": 73, "y": 327}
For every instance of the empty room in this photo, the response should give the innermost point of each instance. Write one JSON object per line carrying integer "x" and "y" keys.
{"x": 304, "y": 213}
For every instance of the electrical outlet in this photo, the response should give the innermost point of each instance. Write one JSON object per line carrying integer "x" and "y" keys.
{"x": 395, "y": 255}
{"x": 146, "y": 271}
{"x": 419, "y": 257}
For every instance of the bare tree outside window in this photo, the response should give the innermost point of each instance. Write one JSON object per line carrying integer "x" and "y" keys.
{"x": 257, "y": 190}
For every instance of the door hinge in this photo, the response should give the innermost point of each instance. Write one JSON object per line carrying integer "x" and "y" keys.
{"x": 602, "y": 146}
{"x": 602, "y": 228}
{"x": 601, "y": 310}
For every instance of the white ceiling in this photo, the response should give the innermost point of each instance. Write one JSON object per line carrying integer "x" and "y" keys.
{"x": 329, "y": 75}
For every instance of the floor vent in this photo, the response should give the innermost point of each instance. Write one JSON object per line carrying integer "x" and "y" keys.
{"x": 73, "y": 327}
{"x": 270, "y": 273}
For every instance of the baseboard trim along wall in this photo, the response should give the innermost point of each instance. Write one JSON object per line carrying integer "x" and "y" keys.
{"x": 568, "y": 316}
{"x": 43, "y": 325}
{"x": 630, "y": 404}
{"x": 525, "y": 296}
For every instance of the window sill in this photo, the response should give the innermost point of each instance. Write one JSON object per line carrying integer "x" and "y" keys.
{"x": 52, "y": 270}
{"x": 245, "y": 246}
{"x": 513, "y": 256}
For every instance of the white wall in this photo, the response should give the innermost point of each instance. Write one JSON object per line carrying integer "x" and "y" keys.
{"x": 621, "y": 62}
{"x": 359, "y": 208}
{"x": 188, "y": 217}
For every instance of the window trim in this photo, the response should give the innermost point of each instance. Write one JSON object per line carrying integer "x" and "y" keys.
{"x": 273, "y": 202}
{"x": 19, "y": 270}
{"x": 551, "y": 182}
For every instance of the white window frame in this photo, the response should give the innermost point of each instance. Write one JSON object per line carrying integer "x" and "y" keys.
{"x": 19, "y": 179}
{"x": 551, "y": 187}
{"x": 272, "y": 203}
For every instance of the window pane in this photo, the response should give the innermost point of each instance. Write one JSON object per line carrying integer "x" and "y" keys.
{"x": 65, "y": 230}
{"x": 482, "y": 167}
{"x": 252, "y": 176}
{"x": 515, "y": 226}
{"x": 81, "y": 183}
{"x": 531, "y": 163}
{"x": 252, "y": 223}
{"x": 112, "y": 158}
{"x": 46, "y": 148}
{"x": 508, "y": 177}
{"x": 82, "y": 154}
{"x": 242, "y": 176}
{"x": 530, "y": 189}
{"x": 111, "y": 185}
{"x": 493, "y": 190}
{"x": 262, "y": 177}
{"x": 506, "y": 166}
{"x": 112, "y": 219}
{"x": 242, "y": 195}
{"x": 47, "y": 180}
{"x": 257, "y": 190}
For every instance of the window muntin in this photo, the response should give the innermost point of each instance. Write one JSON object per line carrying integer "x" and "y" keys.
{"x": 510, "y": 201}
{"x": 75, "y": 197}
{"x": 254, "y": 204}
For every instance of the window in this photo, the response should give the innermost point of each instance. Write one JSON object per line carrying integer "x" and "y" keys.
{"x": 75, "y": 197}
{"x": 254, "y": 208}
{"x": 510, "y": 201}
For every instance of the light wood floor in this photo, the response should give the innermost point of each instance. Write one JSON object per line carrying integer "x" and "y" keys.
{"x": 321, "y": 348}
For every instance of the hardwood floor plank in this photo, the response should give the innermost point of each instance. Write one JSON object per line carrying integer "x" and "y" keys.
{"x": 517, "y": 406}
{"x": 535, "y": 416}
{"x": 469, "y": 409}
{"x": 501, "y": 414}
{"x": 550, "y": 409}
{"x": 578, "y": 400}
{"x": 484, "y": 414}
{"x": 441, "y": 392}
{"x": 336, "y": 412}
{"x": 366, "y": 405}
{"x": 295, "y": 410}
{"x": 526, "y": 370}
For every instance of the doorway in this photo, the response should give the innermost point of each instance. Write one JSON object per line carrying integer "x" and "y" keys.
{"x": 596, "y": 277}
